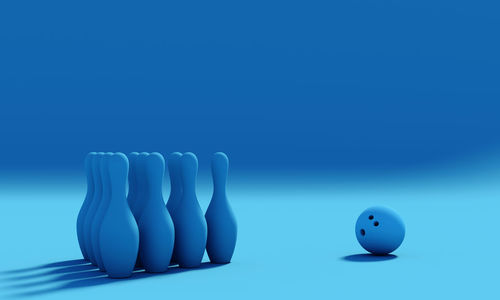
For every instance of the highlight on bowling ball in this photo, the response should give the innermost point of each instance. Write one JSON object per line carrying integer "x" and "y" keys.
{"x": 380, "y": 230}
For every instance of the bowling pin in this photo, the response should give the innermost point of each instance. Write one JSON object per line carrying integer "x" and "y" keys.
{"x": 86, "y": 204}
{"x": 221, "y": 223}
{"x": 96, "y": 174}
{"x": 156, "y": 229}
{"x": 174, "y": 170}
{"x": 137, "y": 204}
{"x": 132, "y": 180}
{"x": 139, "y": 192}
{"x": 101, "y": 210}
{"x": 119, "y": 235}
{"x": 189, "y": 222}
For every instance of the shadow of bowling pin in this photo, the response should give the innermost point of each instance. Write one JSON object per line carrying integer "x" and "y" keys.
{"x": 156, "y": 228}
{"x": 221, "y": 223}
{"x": 189, "y": 222}
{"x": 86, "y": 204}
{"x": 119, "y": 235}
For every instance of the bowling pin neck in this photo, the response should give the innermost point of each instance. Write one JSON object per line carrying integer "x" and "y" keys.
{"x": 177, "y": 189}
{"x": 220, "y": 165}
{"x": 219, "y": 190}
{"x": 220, "y": 183}
{"x": 154, "y": 170}
{"x": 219, "y": 197}
{"x": 90, "y": 176}
{"x": 175, "y": 182}
{"x": 174, "y": 168}
{"x": 117, "y": 172}
{"x": 96, "y": 172}
{"x": 154, "y": 188}
{"x": 219, "y": 187}
{"x": 189, "y": 187}
{"x": 189, "y": 171}
{"x": 132, "y": 178}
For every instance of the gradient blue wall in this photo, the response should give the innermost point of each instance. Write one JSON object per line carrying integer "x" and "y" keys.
{"x": 302, "y": 85}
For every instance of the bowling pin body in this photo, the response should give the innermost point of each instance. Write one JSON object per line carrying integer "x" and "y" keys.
{"x": 93, "y": 207}
{"x": 189, "y": 222}
{"x": 174, "y": 171}
{"x": 137, "y": 201}
{"x": 132, "y": 180}
{"x": 103, "y": 207}
{"x": 119, "y": 235}
{"x": 221, "y": 223}
{"x": 156, "y": 228}
{"x": 80, "y": 222}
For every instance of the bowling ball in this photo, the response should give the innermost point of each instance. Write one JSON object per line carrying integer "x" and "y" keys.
{"x": 380, "y": 230}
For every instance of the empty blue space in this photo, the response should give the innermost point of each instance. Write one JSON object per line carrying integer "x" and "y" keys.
{"x": 296, "y": 85}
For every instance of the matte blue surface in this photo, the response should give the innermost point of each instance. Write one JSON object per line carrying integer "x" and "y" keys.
{"x": 449, "y": 250}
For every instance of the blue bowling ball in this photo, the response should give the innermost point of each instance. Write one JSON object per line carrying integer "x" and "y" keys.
{"x": 380, "y": 230}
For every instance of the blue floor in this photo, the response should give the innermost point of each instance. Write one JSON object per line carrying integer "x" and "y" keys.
{"x": 296, "y": 240}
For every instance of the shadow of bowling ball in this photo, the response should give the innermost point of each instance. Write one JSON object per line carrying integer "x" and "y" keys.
{"x": 366, "y": 257}
{"x": 380, "y": 230}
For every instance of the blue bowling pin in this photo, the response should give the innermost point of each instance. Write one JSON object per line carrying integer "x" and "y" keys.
{"x": 101, "y": 210}
{"x": 141, "y": 191}
{"x": 189, "y": 222}
{"x": 156, "y": 229}
{"x": 86, "y": 204}
{"x": 174, "y": 171}
{"x": 132, "y": 179}
{"x": 119, "y": 235}
{"x": 221, "y": 223}
{"x": 96, "y": 174}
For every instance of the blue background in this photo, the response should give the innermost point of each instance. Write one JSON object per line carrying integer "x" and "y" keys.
{"x": 302, "y": 85}
{"x": 324, "y": 108}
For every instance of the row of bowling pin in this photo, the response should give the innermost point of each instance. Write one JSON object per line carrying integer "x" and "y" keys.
{"x": 116, "y": 231}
